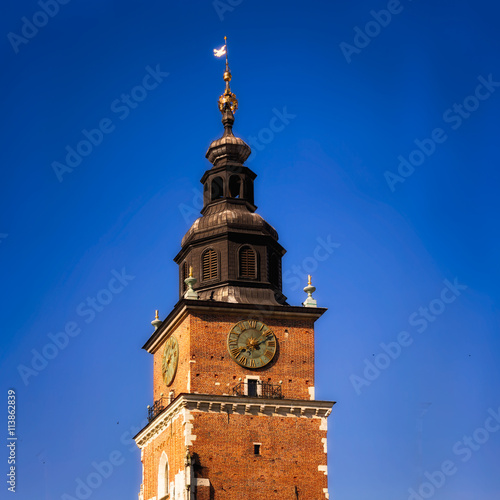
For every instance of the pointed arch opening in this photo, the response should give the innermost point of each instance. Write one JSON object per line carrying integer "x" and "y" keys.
{"x": 209, "y": 264}
{"x": 163, "y": 486}
{"x": 247, "y": 259}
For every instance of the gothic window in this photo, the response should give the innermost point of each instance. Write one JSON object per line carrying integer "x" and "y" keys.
{"x": 209, "y": 264}
{"x": 234, "y": 186}
{"x": 163, "y": 477}
{"x": 217, "y": 188}
{"x": 247, "y": 262}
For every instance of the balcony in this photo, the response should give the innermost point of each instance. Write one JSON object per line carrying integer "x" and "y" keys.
{"x": 159, "y": 405}
{"x": 250, "y": 388}
{"x": 258, "y": 389}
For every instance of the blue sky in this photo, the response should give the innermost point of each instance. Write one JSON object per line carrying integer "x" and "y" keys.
{"x": 385, "y": 156}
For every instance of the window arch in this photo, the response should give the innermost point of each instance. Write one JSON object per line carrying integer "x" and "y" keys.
{"x": 209, "y": 264}
{"x": 247, "y": 262}
{"x": 217, "y": 188}
{"x": 234, "y": 186}
{"x": 163, "y": 485}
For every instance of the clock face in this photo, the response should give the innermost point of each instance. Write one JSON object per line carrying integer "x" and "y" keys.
{"x": 251, "y": 344}
{"x": 170, "y": 359}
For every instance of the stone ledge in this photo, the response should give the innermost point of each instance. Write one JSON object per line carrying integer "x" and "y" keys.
{"x": 241, "y": 405}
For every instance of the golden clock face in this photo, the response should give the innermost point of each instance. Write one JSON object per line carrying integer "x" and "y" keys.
{"x": 251, "y": 344}
{"x": 170, "y": 360}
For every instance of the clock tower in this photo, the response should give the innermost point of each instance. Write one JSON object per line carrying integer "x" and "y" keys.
{"x": 234, "y": 414}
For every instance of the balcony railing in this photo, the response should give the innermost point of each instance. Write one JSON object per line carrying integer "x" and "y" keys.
{"x": 250, "y": 388}
{"x": 158, "y": 406}
{"x": 258, "y": 389}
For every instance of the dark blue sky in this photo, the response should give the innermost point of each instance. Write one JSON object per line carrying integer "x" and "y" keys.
{"x": 384, "y": 154}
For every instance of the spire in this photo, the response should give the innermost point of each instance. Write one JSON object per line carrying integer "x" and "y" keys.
{"x": 227, "y": 149}
{"x": 227, "y": 101}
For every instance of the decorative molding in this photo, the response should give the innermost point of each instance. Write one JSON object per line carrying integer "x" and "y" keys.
{"x": 185, "y": 307}
{"x": 241, "y": 405}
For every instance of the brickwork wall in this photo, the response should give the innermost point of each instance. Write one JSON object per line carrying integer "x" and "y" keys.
{"x": 291, "y": 451}
{"x": 172, "y": 441}
{"x": 291, "y": 447}
{"x": 180, "y": 383}
{"x": 215, "y": 372}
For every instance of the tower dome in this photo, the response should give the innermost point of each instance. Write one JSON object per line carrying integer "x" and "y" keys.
{"x": 233, "y": 252}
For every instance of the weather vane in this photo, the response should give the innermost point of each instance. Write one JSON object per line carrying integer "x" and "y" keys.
{"x": 227, "y": 99}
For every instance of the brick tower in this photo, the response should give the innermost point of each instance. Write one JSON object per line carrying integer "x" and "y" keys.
{"x": 234, "y": 414}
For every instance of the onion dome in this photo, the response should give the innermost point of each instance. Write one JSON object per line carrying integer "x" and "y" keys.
{"x": 228, "y": 149}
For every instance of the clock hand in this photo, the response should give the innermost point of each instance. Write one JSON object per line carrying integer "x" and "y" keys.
{"x": 265, "y": 339}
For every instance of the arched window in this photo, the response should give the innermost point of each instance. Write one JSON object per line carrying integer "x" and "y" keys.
{"x": 163, "y": 477}
{"x": 247, "y": 262}
{"x": 217, "y": 188}
{"x": 234, "y": 186}
{"x": 209, "y": 264}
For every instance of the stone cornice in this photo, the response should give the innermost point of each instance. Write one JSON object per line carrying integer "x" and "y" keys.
{"x": 185, "y": 306}
{"x": 241, "y": 405}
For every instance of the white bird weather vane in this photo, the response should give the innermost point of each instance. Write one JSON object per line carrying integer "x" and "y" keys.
{"x": 220, "y": 52}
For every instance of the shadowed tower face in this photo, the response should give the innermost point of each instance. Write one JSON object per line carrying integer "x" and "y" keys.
{"x": 234, "y": 414}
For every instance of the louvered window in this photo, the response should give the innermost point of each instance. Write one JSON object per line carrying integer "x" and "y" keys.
{"x": 209, "y": 264}
{"x": 248, "y": 265}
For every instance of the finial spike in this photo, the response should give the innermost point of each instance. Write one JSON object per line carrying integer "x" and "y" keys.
{"x": 309, "y": 289}
{"x": 190, "y": 282}
{"x": 225, "y": 43}
{"x": 157, "y": 321}
{"x": 227, "y": 99}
